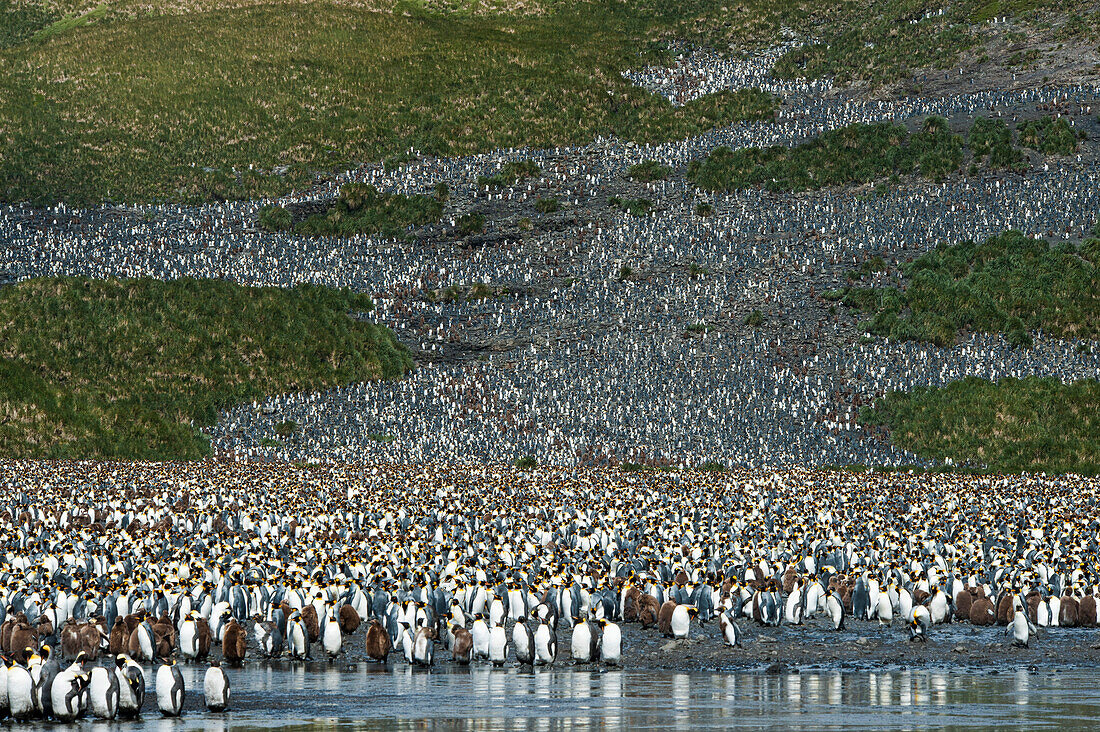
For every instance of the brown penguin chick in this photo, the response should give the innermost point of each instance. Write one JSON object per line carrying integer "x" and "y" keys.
{"x": 118, "y": 641}
{"x": 378, "y": 643}
{"x": 919, "y": 596}
{"x": 1033, "y": 601}
{"x": 630, "y": 606}
{"x": 234, "y": 643}
{"x": 133, "y": 621}
{"x": 982, "y": 612}
{"x": 681, "y": 578}
{"x": 788, "y": 580}
{"x": 203, "y": 634}
{"x": 70, "y": 639}
{"x": 648, "y": 610}
{"x": 1004, "y": 608}
{"x": 963, "y": 601}
{"x": 23, "y": 636}
{"x": 463, "y": 645}
{"x": 664, "y": 618}
{"x": 90, "y": 638}
{"x": 349, "y": 620}
{"x": 1086, "y": 611}
{"x": 311, "y": 623}
{"x": 44, "y": 627}
{"x": 166, "y": 627}
{"x": 5, "y": 635}
{"x": 1067, "y": 613}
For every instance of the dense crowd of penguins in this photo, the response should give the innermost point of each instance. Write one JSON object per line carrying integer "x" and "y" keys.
{"x": 588, "y": 367}
{"x": 113, "y": 569}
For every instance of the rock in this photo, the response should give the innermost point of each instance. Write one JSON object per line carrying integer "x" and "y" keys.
{"x": 766, "y": 639}
{"x": 775, "y": 668}
{"x": 960, "y": 649}
{"x": 863, "y": 641}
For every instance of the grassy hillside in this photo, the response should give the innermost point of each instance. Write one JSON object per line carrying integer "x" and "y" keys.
{"x": 251, "y": 101}
{"x": 1008, "y": 284}
{"x": 119, "y": 369}
{"x": 1032, "y": 424}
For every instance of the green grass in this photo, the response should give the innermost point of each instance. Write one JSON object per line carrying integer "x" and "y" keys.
{"x": 547, "y": 205}
{"x": 855, "y": 154}
{"x": 68, "y": 23}
{"x": 120, "y": 369}
{"x": 1008, "y": 284}
{"x": 249, "y": 102}
{"x": 648, "y": 171}
{"x": 632, "y": 206}
{"x": 1014, "y": 425}
{"x": 363, "y": 209}
{"x": 862, "y": 153}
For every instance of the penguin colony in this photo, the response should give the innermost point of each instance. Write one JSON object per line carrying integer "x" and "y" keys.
{"x": 113, "y": 568}
{"x": 583, "y": 368}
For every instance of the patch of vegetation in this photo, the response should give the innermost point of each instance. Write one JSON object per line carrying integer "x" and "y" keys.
{"x": 699, "y": 328}
{"x": 1009, "y": 284}
{"x": 991, "y": 139}
{"x": 649, "y": 171}
{"x": 21, "y": 20}
{"x": 275, "y": 218}
{"x": 363, "y": 209}
{"x": 628, "y": 467}
{"x": 1014, "y": 425}
{"x": 702, "y": 210}
{"x": 547, "y": 205}
{"x": 632, "y": 206}
{"x": 624, "y": 273}
{"x": 713, "y": 466}
{"x": 469, "y": 224}
{"x": 67, "y": 23}
{"x": 380, "y": 437}
{"x": 857, "y": 153}
{"x": 317, "y": 88}
{"x": 755, "y": 319}
{"x": 510, "y": 173}
{"x": 130, "y": 369}
{"x": 286, "y": 429}
{"x": 442, "y": 191}
{"x": 1049, "y": 136}
{"x": 269, "y": 442}
{"x": 527, "y": 462}
{"x": 872, "y": 265}
{"x": 695, "y": 270}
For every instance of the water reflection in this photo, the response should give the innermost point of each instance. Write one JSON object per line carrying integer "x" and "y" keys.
{"x": 566, "y": 700}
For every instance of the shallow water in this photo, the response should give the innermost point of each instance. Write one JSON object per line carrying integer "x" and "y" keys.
{"x": 482, "y": 698}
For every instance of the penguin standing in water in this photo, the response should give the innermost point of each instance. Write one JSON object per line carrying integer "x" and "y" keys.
{"x": 546, "y": 644}
{"x": 523, "y": 641}
{"x": 834, "y": 606}
{"x": 131, "y": 687}
{"x": 731, "y": 634}
{"x": 47, "y": 672}
{"x": 917, "y": 631}
{"x": 215, "y": 688}
{"x": 1020, "y": 628}
{"x": 584, "y": 644}
{"x": 480, "y": 633}
{"x": 104, "y": 691}
{"x": 333, "y": 638}
{"x": 462, "y": 649}
{"x": 423, "y": 648}
{"x": 66, "y": 693}
{"x": 20, "y": 691}
{"x": 170, "y": 691}
{"x": 297, "y": 640}
{"x": 498, "y": 645}
{"x": 377, "y": 641}
{"x": 611, "y": 643}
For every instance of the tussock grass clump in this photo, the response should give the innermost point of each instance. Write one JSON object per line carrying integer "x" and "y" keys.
{"x": 511, "y": 172}
{"x": 547, "y": 205}
{"x": 122, "y": 368}
{"x": 275, "y": 218}
{"x": 1014, "y": 425}
{"x": 1049, "y": 136}
{"x": 469, "y": 224}
{"x": 648, "y": 171}
{"x": 363, "y": 209}
{"x": 991, "y": 139}
{"x": 1008, "y": 284}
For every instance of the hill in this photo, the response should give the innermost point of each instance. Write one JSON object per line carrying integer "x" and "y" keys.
{"x": 132, "y": 368}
